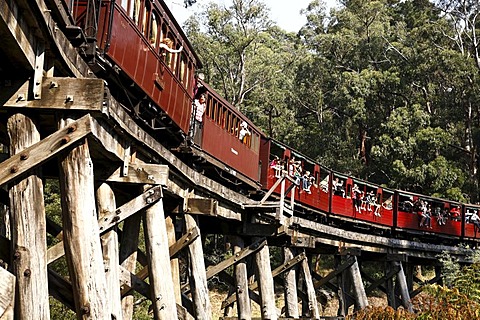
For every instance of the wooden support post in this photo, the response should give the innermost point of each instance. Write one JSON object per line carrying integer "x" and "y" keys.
{"x": 403, "y": 287}
{"x": 389, "y": 286}
{"x": 106, "y": 205}
{"x": 290, "y": 292}
{"x": 198, "y": 277}
{"x": 438, "y": 275}
{"x": 313, "y": 312}
{"x": 342, "y": 303}
{"x": 244, "y": 309}
{"x": 128, "y": 257}
{"x": 81, "y": 236}
{"x": 29, "y": 231}
{"x": 174, "y": 265}
{"x": 409, "y": 268}
{"x": 265, "y": 281}
{"x": 161, "y": 284}
{"x": 7, "y": 295}
{"x": 358, "y": 288}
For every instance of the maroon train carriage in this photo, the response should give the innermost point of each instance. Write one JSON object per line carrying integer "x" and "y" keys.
{"x": 142, "y": 39}
{"x": 219, "y": 138}
{"x": 427, "y": 214}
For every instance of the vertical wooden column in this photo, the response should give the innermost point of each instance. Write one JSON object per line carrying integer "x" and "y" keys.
{"x": 81, "y": 236}
{"x": 313, "y": 312}
{"x": 342, "y": 303}
{"x": 358, "y": 288}
{"x": 390, "y": 287}
{"x": 28, "y": 225}
{"x": 106, "y": 204}
{"x": 244, "y": 309}
{"x": 291, "y": 297}
{"x": 402, "y": 283}
{"x": 128, "y": 257}
{"x": 409, "y": 269}
{"x": 438, "y": 275}
{"x": 7, "y": 295}
{"x": 174, "y": 265}
{"x": 161, "y": 284}
{"x": 198, "y": 277}
{"x": 265, "y": 284}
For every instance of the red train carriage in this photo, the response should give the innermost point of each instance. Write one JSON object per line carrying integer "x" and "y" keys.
{"x": 471, "y": 221}
{"x": 278, "y": 159}
{"x": 143, "y": 41}
{"x": 428, "y": 214}
{"x": 220, "y": 138}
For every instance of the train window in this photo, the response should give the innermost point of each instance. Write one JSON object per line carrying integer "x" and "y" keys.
{"x": 135, "y": 11}
{"x": 153, "y": 29}
{"x": 234, "y": 129}
{"x": 183, "y": 66}
{"x": 124, "y": 4}
{"x": 209, "y": 107}
{"x": 144, "y": 22}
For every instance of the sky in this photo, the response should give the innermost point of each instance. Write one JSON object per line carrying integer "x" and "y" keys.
{"x": 285, "y": 12}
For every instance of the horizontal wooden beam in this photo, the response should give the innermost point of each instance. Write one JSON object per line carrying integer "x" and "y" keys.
{"x": 145, "y": 173}
{"x": 60, "y": 289}
{"x": 44, "y": 150}
{"x": 202, "y": 206}
{"x": 62, "y": 93}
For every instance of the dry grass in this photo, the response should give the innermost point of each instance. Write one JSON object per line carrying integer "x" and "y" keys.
{"x": 330, "y": 309}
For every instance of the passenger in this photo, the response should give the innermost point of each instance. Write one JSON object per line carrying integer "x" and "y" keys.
{"x": 338, "y": 187}
{"x": 324, "y": 184}
{"x": 198, "y": 109}
{"x": 297, "y": 172}
{"x": 475, "y": 219}
{"x": 356, "y": 193}
{"x": 307, "y": 181}
{"x": 375, "y": 205}
{"x": 455, "y": 213}
{"x": 371, "y": 200}
{"x": 244, "y": 132}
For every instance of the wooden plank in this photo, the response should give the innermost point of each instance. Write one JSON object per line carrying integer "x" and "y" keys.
{"x": 28, "y": 225}
{"x": 313, "y": 311}
{"x": 129, "y": 281}
{"x": 201, "y": 206}
{"x": 338, "y": 270}
{"x": 358, "y": 288}
{"x": 241, "y": 281}
{"x": 44, "y": 150}
{"x": 170, "y": 222}
{"x": 402, "y": 283}
{"x": 64, "y": 93}
{"x": 60, "y": 289}
{"x": 145, "y": 173}
{"x": 265, "y": 281}
{"x": 7, "y": 294}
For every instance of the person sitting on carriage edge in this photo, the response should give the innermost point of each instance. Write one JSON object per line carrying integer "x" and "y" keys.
{"x": 244, "y": 132}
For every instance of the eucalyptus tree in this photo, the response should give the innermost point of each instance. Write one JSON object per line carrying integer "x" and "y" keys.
{"x": 248, "y": 59}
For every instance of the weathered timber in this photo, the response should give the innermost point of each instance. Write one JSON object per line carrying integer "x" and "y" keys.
{"x": 153, "y": 174}
{"x": 389, "y": 266}
{"x": 374, "y": 284}
{"x": 402, "y": 283}
{"x": 244, "y": 309}
{"x": 279, "y": 270}
{"x": 437, "y": 278}
{"x": 338, "y": 269}
{"x": 63, "y": 93}
{"x": 109, "y": 241}
{"x": 198, "y": 278}
{"x": 20, "y": 31}
{"x": 38, "y": 71}
{"x": 81, "y": 233}
{"x": 174, "y": 263}
{"x": 265, "y": 280}
{"x": 290, "y": 288}
{"x": 225, "y": 277}
{"x": 339, "y": 272}
{"x": 41, "y": 151}
{"x": 163, "y": 298}
{"x": 183, "y": 242}
{"x": 313, "y": 311}
{"x": 60, "y": 289}
{"x": 7, "y": 294}
{"x": 128, "y": 257}
{"x": 27, "y": 212}
{"x": 111, "y": 218}
{"x": 358, "y": 288}
{"x": 201, "y": 206}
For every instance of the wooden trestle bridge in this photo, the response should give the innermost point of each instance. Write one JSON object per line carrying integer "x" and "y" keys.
{"x": 57, "y": 121}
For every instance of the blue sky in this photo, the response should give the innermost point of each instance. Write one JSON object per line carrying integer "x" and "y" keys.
{"x": 285, "y": 12}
